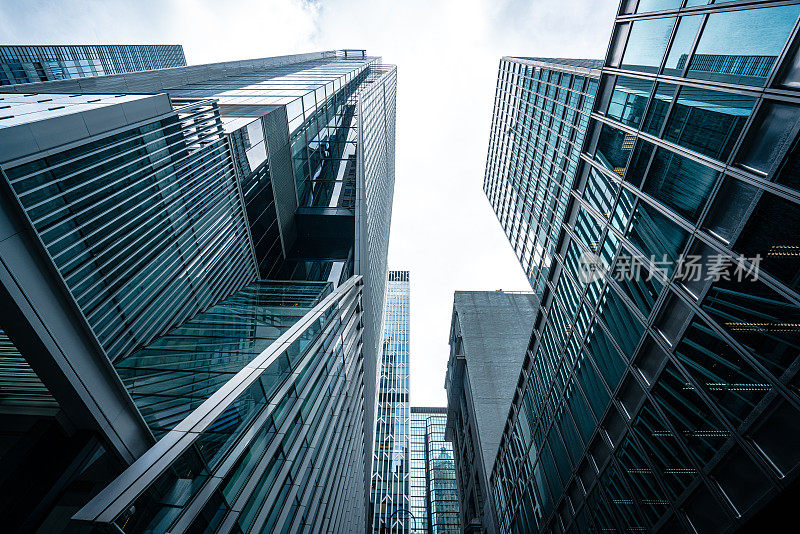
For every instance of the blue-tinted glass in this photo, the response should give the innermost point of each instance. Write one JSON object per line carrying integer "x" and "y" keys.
{"x": 646, "y": 44}
{"x": 758, "y": 318}
{"x": 726, "y": 377}
{"x": 681, "y": 44}
{"x": 639, "y": 161}
{"x": 708, "y": 121}
{"x": 613, "y": 149}
{"x": 656, "y": 236}
{"x": 680, "y": 183}
{"x": 646, "y": 6}
{"x": 659, "y": 105}
{"x": 742, "y": 46}
{"x": 629, "y": 99}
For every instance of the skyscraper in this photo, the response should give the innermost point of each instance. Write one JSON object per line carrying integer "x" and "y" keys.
{"x": 29, "y": 64}
{"x": 541, "y": 109}
{"x": 433, "y": 495}
{"x": 659, "y": 391}
{"x": 390, "y": 491}
{"x": 192, "y": 263}
{"x": 489, "y": 331}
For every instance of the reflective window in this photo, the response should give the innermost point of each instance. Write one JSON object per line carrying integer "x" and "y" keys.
{"x": 720, "y": 372}
{"x": 731, "y": 205}
{"x": 639, "y": 162}
{"x": 646, "y": 44}
{"x": 774, "y": 129}
{"x": 759, "y": 318}
{"x": 613, "y": 148}
{"x": 742, "y": 46}
{"x": 708, "y": 122}
{"x": 655, "y": 235}
{"x": 771, "y": 232}
{"x": 659, "y": 105}
{"x": 657, "y": 5}
{"x": 702, "y": 431}
{"x": 629, "y": 99}
{"x": 681, "y": 44}
{"x": 680, "y": 183}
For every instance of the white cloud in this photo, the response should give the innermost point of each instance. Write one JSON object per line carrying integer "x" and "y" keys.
{"x": 447, "y": 53}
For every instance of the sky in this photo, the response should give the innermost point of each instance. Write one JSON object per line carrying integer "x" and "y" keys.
{"x": 447, "y": 53}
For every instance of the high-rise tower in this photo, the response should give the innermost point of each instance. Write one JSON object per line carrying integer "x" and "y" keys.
{"x": 194, "y": 268}
{"x": 659, "y": 391}
{"x": 390, "y": 491}
{"x": 29, "y": 64}
{"x": 432, "y": 474}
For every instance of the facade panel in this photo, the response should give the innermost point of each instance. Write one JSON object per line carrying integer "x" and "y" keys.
{"x": 654, "y": 390}
{"x": 540, "y": 115}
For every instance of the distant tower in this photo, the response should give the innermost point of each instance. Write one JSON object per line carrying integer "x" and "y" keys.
{"x": 390, "y": 497}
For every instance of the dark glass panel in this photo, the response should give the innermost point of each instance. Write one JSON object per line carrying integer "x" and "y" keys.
{"x": 722, "y": 373}
{"x": 708, "y": 122}
{"x": 629, "y": 100}
{"x": 656, "y": 236}
{"x": 694, "y": 421}
{"x": 659, "y": 105}
{"x": 770, "y": 136}
{"x": 771, "y": 232}
{"x": 613, "y": 148}
{"x": 680, "y": 183}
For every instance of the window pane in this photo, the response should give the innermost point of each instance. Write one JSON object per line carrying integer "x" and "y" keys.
{"x": 708, "y": 121}
{"x": 731, "y": 205}
{"x": 680, "y": 183}
{"x": 768, "y": 140}
{"x": 659, "y": 105}
{"x": 656, "y": 236}
{"x": 684, "y": 37}
{"x": 742, "y": 46}
{"x": 646, "y": 44}
{"x": 772, "y": 232}
{"x": 639, "y": 161}
{"x": 646, "y": 6}
{"x": 629, "y": 99}
{"x": 613, "y": 148}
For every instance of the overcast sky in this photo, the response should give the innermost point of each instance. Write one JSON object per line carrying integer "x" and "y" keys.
{"x": 447, "y": 53}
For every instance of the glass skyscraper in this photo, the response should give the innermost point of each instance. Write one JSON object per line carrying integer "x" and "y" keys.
{"x": 541, "y": 111}
{"x": 29, "y": 64}
{"x": 390, "y": 490}
{"x": 432, "y": 474}
{"x": 192, "y": 263}
{"x": 659, "y": 391}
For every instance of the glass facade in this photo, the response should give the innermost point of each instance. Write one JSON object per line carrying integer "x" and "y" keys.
{"x": 260, "y": 425}
{"x": 390, "y": 477}
{"x": 29, "y": 64}
{"x": 667, "y": 400}
{"x": 434, "y": 495}
{"x": 145, "y": 226}
{"x": 214, "y": 260}
{"x": 541, "y": 110}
